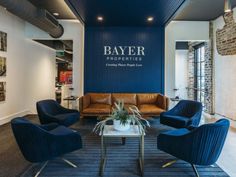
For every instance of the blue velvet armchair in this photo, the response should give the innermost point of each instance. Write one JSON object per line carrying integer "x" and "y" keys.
{"x": 184, "y": 114}
{"x": 49, "y": 111}
{"x": 198, "y": 146}
{"x": 40, "y": 143}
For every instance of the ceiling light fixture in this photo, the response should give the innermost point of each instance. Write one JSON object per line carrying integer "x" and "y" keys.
{"x": 56, "y": 14}
{"x": 100, "y": 18}
{"x": 150, "y": 19}
{"x": 228, "y": 7}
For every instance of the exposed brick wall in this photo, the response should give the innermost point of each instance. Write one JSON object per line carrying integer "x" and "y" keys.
{"x": 208, "y": 74}
{"x": 209, "y": 71}
{"x": 226, "y": 37}
{"x": 191, "y": 80}
{"x": 208, "y": 79}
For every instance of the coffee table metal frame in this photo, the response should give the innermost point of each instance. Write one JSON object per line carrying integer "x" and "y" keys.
{"x": 109, "y": 132}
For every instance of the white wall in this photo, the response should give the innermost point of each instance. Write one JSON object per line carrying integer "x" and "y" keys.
{"x": 225, "y": 78}
{"x": 181, "y": 73}
{"x": 26, "y": 80}
{"x": 180, "y": 31}
{"x": 41, "y": 62}
{"x": 73, "y": 30}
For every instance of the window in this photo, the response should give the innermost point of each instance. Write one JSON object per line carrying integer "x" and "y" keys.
{"x": 199, "y": 75}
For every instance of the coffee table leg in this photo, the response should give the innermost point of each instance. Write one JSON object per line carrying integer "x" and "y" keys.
{"x": 141, "y": 155}
{"x": 123, "y": 139}
{"x": 103, "y": 156}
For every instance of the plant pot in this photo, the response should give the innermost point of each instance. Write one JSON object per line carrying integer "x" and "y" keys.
{"x": 120, "y": 127}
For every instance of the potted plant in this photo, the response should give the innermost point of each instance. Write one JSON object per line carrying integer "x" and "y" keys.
{"x": 122, "y": 119}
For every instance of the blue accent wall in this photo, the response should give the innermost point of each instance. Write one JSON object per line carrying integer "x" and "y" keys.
{"x": 141, "y": 74}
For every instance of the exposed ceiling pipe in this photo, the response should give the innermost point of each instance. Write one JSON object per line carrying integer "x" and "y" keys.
{"x": 38, "y": 17}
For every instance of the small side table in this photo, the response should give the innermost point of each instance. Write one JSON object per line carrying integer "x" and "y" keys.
{"x": 69, "y": 99}
{"x": 133, "y": 132}
{"x": 175, "y": 101}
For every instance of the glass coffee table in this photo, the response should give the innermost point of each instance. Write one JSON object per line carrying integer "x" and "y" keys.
{"x": 110, "y": 132}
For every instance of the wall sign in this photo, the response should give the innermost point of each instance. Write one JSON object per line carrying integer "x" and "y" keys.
{"x": 124, "y": 59}
{"x": 124, "y": 56}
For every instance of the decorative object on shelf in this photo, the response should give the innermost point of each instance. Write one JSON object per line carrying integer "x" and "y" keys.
{"x": 226, "y": 37}
{"x": 228, "y": 6}
{"x": 122, "y": 119}
{"x": 2, "y": 91}
{"x": 3, "y": 41}
{"x": 3, "y": 67}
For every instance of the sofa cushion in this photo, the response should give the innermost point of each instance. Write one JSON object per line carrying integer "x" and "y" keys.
{"x": 148, "y": 98}
{"x": 150, "y": 109}
{"x": 101, "y": 98}
{"x": 128, "y": 98}
{"x": 98, "y": 109}
{"x": 126, "y": 107}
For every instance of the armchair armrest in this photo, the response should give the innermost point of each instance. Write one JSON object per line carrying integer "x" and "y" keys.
{"x": 61, "y": 144}
{"x": 50, "y": 118}
{"x": 49, "y": 127}
{"x": 175, "y": 133}
{"x": 163, "y": 102}
{"x": 195, "y": 119}
{"x": 66, "y": 110}
{"x": 192, "y": 127}
{"x": 175, "y": 142}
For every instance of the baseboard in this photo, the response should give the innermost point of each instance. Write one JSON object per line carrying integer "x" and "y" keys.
{"x": 8, "y": 118}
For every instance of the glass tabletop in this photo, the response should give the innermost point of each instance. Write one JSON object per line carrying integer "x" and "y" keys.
{"x": 109, "y": 131}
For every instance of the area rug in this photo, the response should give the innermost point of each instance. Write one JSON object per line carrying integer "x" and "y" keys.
{"x": 122, "y": 159}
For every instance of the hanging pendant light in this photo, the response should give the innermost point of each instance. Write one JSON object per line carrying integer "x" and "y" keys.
{"x": 228, "y": 7}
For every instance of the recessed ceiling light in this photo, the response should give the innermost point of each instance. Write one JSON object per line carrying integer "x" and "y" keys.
{"x": 100, "y": 18}
{"x": 150, "y": 19}
{"x": 56, "y": 14}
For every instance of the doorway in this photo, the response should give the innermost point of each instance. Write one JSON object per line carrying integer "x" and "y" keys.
{"x": 193, "y": 72}
{"x": 63, "y": 68}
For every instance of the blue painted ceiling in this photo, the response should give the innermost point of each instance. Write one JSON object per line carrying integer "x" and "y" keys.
{"x": 125, "y": 12}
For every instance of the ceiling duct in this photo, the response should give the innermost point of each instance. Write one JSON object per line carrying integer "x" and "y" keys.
{"x": 38, "y": 17}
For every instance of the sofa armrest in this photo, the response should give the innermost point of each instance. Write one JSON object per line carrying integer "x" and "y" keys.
{"x": 163, "y": 102}
{"x": 84, "y": 102}
{"x": 167, "y": 103}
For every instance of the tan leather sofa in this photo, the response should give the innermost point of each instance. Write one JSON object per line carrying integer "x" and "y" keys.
{"x": 100, "y": 104}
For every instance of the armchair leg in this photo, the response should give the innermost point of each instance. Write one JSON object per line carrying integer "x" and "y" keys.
{"x": 169, "y": 163}
{"x": 195, "y": 170}
{"x": 41, "y": 169}
{"x": 69, "y": 163}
